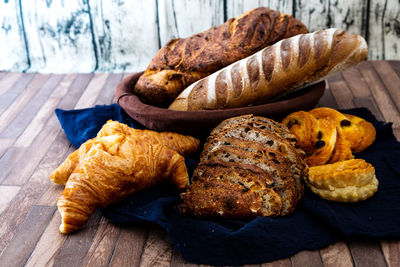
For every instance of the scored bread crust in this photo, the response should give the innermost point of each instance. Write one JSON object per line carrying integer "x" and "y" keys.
{"x": 183, "y": 61}
{"x": 246, "y": 170}
{"x": 274, "y": 71}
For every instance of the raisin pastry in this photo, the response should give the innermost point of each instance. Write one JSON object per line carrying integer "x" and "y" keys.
{"x": 328, "y": 136}
{"x": 302, "y": 123}
{"x": 346, "y": 181}
{"x": 368, "y": 132}
{"x": 345, "y": 128}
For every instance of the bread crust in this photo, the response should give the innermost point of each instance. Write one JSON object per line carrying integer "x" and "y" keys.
{"x": 274, "y": 71}
{"x": 183, "y": 61}
{"x": 249, "y": 167}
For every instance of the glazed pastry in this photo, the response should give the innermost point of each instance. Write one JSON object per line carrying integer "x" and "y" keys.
{"x": 304, "y": 126}
{"x": 183, "y": 61}
{"x": 346, "y": 181}
{"x": 118, "y": 162}
{"x": 342, "y": 149}
{"x": 368, "y": 132}
{"x": 325, "y": 144}
{"x": 345, "y": 128}
{"x": 249, "y": 167}
{"x": 328, "y": 136}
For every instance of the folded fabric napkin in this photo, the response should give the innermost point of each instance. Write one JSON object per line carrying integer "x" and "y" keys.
{"x": 315, "y": 224}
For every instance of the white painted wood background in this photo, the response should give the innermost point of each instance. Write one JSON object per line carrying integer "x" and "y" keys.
{"x": 123, "y": 35}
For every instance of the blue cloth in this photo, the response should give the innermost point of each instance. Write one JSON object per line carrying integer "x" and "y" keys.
{"x": 315, "y": 224}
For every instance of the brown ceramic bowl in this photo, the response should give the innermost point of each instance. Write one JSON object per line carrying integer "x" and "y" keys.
{"x": 201, "y": 122}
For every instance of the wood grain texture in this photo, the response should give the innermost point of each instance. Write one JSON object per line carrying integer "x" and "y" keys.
{"x": 391, "y": 251}
{"x": 366, "y": 253}
{"x": 38, "y": 122}
{"x": 8, "y": 81}
{"x": 16, "y": 212}
{"x": 278, "y": 263}
{"x": 130, "y": 245}
{"x": 53, "y": 191}
{"x": 9, "y": 96}
{"x": 178, "y": 261}
{"x": 7, "y": 193}
{"x": 76, "y": 245}
{"x": 336, "y": 255}
{"x": 44, "y": 254}
{"x": 236, "y": 8}
{"x": 5, "y": 144}
{"x": 177, "y": 19}
{"x": 102, "y": 247}
{"x": 59, "y": 35}
{"x": 21, "y": 101}
{"x": 118, "y": 36}
{"x": 89, "y": 96}
{"x": 307, "y": 258}
{"x": 18, "y": 251}
{"x": 347, "y": 15}
{"x": 12, "y": 32}
{"x": 341, "y": 92}
{"x": 125, "y": 34}
{"x": 390, "y": 79}
{"x": 107, "y": 94}
{"x": 157, "y": 249}
{"x": 24, "y": 116}
{"x": 384, "y": 29}
{"x": 42, "y": 127}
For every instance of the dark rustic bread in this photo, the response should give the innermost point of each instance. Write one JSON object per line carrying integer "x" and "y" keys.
{"x": 249, "y": 167}
{"x": 275, "y": 71}
{"x": 183, "y": 61}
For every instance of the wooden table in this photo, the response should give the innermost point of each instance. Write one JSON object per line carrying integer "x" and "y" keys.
{"x": 32, "y": 145}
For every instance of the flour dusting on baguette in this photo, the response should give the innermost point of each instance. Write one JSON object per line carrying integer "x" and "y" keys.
{"x": 284, "y": 67}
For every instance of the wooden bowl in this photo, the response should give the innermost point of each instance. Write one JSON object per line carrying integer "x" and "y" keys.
{"x": 201, "y": 122}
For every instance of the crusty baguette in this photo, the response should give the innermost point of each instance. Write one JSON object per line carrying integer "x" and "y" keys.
{"x": 275, "y": 71}
{"x": 183, "y": 61}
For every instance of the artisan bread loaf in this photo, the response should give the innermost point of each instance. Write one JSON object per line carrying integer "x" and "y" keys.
{"x": 183, "y": 61}
{"x": 274, "y": 71}
{"x": 249, "y": 167}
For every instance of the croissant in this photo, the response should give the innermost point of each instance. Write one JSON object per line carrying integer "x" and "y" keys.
{"x": 119, "y": 161}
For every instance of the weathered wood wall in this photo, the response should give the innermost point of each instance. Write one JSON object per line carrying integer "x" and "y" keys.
{"x": 122, "y": 36}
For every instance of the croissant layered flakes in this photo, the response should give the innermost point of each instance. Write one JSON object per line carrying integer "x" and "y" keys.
{"x": 275, "y": 71}
{"x": 346, "y": 181}
{"x": 119, "y": 161}
{"x": 249, "y": 167}
{"x": 183, "y": 61}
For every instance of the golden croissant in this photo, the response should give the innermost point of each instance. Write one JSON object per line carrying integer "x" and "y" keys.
{"x": 119, "y": 161}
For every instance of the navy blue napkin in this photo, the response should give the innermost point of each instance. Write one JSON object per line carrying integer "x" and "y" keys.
{"x": 315, "y": 224}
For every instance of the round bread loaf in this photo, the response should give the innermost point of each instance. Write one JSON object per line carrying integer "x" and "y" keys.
{"x": 250, "y": 166}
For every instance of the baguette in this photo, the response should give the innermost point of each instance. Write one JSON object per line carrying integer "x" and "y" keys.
{"x": 274, "y": 71}
{"x": 181, "y": 62}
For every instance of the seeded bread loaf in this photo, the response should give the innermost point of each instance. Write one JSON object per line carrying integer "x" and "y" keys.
{"x": 249, "y": 167}
{"x": 274, "y": 71}
{"x": 183, "y": 61}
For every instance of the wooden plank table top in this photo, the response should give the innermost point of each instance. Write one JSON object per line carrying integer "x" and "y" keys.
{"x": 32, "y": 145}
